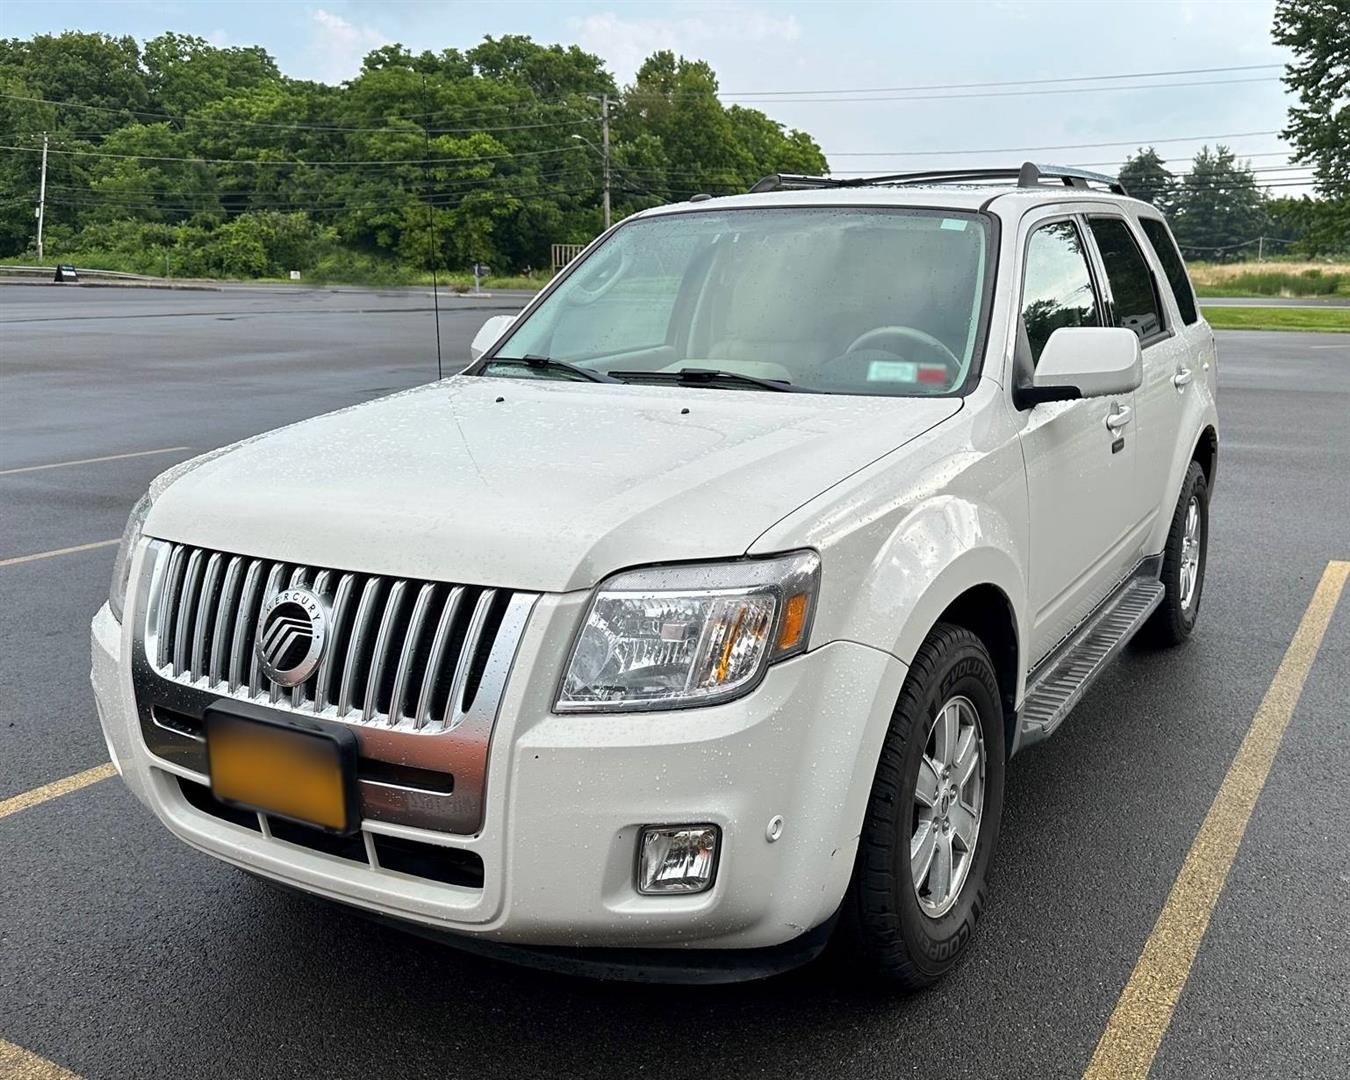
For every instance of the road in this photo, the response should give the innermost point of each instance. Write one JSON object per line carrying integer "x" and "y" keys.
{"x": 1274, "y": 301}
{"x": 123, "y": 953}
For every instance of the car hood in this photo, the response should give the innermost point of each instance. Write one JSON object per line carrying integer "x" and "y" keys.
{"x": 531, "y": 484}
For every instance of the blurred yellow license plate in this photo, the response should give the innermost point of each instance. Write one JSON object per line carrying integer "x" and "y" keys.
{"x": 303, "y": 775}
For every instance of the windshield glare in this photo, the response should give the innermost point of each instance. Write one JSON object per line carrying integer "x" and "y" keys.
{"x": 863, "y": 301}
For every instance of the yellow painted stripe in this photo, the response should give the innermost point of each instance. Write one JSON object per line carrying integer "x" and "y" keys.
{"x": 93, "y": 460}
{"x": 1144, "y": 1010}
{"x": 16, "y": 1063}
{"x": 14, "y": 560}
{"x": 55, "y": 790}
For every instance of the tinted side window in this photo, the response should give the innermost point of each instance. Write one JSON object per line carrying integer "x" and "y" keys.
{"x": 1166, "y": 250}
{"x": 1131, "y": 283}
{"x": 1057, "y": 287}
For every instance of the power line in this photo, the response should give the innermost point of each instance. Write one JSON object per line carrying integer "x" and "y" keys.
{"x": 1010, "y": 82}
{"x": 342, "y": 163}
{"x": 1011, "y": 93}
{"x": 1259, "y": 240}
{"x": 296, "y": 125}
{"x": 1061, "y": 146}
{"x": 292, "y": 164}
{"x": 410, "y": 200}
{"x": 917, "y": 92}
{"x": 438, "y": 199}
{"x": 483, "y": 182}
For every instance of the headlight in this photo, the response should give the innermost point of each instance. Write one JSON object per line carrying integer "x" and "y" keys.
{"x": 117, "y": 595}
{"x": 679, "y": 636}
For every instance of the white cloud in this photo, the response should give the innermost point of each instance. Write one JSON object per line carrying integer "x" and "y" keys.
{"x": 626, "y": 43}
{"x": 337, "y": 46}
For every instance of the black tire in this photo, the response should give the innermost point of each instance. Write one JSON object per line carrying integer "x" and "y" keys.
{"x": 1175, "y": 617}
{"x": 884, "y": 930}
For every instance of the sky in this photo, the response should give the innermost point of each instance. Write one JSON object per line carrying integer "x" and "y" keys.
{"x": 792, "y": 58}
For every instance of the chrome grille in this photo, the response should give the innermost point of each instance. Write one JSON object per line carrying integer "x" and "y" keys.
{"x": 400, "y": 653}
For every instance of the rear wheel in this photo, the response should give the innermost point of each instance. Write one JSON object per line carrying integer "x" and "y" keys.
{"x": 932, "y": 820}
{"x": 1184, "y": 558}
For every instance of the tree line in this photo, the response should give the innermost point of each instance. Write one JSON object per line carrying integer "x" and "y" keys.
{"x": 1219, "y": 211}
{"x": 185, "y": 158}
{"x": 204, "y": 160}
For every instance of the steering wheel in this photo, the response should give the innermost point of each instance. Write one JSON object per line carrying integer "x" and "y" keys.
{"x": 907, "y": 334}
{"x": 581, "y": 295}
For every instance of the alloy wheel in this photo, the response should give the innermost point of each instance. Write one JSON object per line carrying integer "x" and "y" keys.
{"x": 948, "y": 805}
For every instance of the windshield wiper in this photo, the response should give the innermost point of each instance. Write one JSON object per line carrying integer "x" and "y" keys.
{"x": 547, "y": 363}
{"x": 706, "y": 377}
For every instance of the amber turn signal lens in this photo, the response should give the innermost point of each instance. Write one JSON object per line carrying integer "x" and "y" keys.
{"x": 794, "y": 622}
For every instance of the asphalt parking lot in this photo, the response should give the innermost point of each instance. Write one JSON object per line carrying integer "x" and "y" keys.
{"x": 125, "y": 954}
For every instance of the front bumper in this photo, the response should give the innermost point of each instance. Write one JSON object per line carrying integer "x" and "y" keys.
{"x": 566, "y": 796}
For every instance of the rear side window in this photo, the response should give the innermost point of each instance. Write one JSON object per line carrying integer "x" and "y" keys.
{"x": 1166, "y": 250}
{"x": 1136, "y": 302}
{"x": 1057, "y": 287}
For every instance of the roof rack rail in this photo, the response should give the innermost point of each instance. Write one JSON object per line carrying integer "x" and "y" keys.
{"x": 793, "y": 182}
{"x": 1029, "y": 174}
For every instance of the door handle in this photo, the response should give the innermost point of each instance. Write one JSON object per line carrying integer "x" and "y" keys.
{"x": 1118, "y": 419}
{"x": 1182, "y": 377}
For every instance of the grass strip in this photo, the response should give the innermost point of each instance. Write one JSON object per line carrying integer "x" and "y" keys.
{"x": 1323, "y": 319}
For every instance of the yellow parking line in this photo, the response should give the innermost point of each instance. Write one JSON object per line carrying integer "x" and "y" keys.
{"x": 14, "y": 560}
{"x": 1144, "y": 1010}
{"x": 16, "y": 1063}
{"x": 92, "y": 460}
{"x": 55, "y": 790}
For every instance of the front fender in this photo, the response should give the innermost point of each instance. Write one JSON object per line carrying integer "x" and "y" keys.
{"x": 942, "y": 550}
{"x": 903, "y": 539}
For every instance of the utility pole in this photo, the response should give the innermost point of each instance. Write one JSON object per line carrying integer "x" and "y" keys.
{"x": 42, "y": 196}
{"x": 1260, "y": 248}
{"x": 604, "y": 145}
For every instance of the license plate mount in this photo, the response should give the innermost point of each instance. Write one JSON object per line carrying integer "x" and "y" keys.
{"x": 297, "y": 769}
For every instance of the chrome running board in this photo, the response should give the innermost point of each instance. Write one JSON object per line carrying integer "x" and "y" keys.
{"x": 1060, "y": 680}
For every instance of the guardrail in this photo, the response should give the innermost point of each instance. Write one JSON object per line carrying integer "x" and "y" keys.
{"x": 81, "y": 270}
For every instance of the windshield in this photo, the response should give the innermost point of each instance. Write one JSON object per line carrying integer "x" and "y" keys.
{"x": 844, "y": 300}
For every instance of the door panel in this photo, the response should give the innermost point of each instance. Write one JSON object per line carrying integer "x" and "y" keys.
{"x": 1174, "y": 374}
{"x": 1134, "y": 286}
{"x": 1082, "y": 541}
{"x": 1081, "y": 478}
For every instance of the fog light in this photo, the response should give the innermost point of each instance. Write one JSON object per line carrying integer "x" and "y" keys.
{"x": 677, "y": 858}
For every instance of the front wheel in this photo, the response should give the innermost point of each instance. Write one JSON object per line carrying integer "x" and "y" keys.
{"x": 1184, "y": 558}
{"x": 932, "y": 820}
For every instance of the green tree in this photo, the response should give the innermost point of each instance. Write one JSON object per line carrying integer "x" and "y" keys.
{"x": 687, "y": 142}
{"x": 98, "y": 77}
{"x": 210, "y": 160}
{"x": 146, "y": 179}
{"x": 547, "y": 71}
{"x": 184, "y": 73}
{"x": 1218, "y": 206}
{"x": 1318, "y": 32}
{"x": 1146, "y": 176}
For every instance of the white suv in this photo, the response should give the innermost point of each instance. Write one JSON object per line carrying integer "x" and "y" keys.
{"x": 695, "y": 622}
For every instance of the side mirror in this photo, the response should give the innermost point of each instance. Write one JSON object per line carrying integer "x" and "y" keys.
{"x": 1084, "y": 361}
{"x": 488, "y": 334}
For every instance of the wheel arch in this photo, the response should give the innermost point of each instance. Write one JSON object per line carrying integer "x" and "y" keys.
{"x": 987, "y": 612}
{"x": 977, "y": 590}
{"x": 1206, "y": 452}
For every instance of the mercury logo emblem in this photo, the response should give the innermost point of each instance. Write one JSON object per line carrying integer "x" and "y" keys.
{"x": 292, "y": 628}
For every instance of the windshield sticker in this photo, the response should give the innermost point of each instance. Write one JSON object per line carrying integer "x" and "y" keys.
{"x": 892, "y": 371}
{"x": 959, "y": 224}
